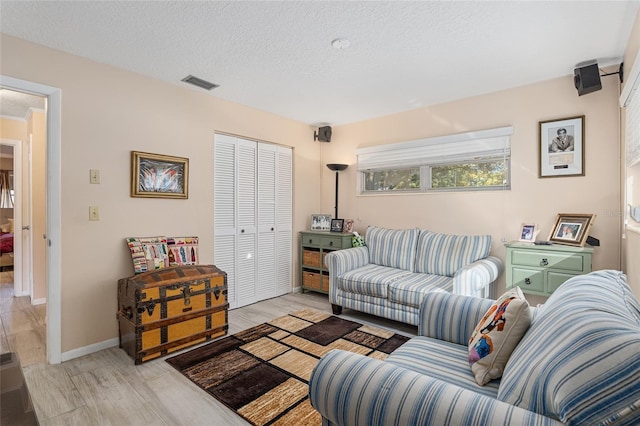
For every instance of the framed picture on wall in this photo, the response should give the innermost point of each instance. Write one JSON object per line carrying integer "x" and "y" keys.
{"x": 572, "y": 229}
{"x": 159, "y": 176}
{"x": 561, "y": 147}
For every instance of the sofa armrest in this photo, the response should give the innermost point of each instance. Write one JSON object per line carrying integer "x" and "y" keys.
{"x": 340, "y": 261}
{"x": 451, "y": 317}
{"x": 351, "y": 389}
{"x": 476, "y": 278}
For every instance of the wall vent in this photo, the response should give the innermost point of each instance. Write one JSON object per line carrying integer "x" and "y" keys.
{"x": 200, "y": 82}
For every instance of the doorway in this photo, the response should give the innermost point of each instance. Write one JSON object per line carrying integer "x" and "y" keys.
{"x": 52, "y": 240}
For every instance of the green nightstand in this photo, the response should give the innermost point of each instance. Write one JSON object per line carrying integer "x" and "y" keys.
{"x": 541, "y": 269}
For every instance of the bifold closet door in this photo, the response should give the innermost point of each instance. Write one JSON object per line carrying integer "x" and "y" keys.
{"x": 253, "y": 218}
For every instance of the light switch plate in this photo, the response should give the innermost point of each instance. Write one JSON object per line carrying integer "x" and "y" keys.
{"x": 94, "y": 213}
{"x": 94, "y": 176}
{"x": 634, "y": 212}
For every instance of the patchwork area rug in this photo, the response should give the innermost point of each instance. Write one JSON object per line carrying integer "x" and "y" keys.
{"x": 263, "y": 373}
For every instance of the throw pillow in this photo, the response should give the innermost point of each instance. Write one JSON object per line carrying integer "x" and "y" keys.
{"x": 148, "y": 253}
{"x": 183, "y": 250}
{"x": 497, "y": 335}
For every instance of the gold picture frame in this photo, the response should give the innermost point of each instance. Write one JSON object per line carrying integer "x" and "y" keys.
{"x": 159, "y": 176}
{"x": 572, "y": 229}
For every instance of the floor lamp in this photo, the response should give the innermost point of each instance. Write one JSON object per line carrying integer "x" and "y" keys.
{"x": 337, "y": 168}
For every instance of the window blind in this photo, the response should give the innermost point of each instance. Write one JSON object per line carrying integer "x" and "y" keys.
{"x": 630, "y": 100}
{"x": 455, "y": 148}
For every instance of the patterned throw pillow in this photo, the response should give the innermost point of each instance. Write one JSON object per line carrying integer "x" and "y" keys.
{"x": 183, "y": 250}
{"x": 497, "y": 335}
{"x": 148, "y": 253}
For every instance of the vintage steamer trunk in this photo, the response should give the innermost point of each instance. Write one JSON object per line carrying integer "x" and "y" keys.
{"x": 168, "y": 309}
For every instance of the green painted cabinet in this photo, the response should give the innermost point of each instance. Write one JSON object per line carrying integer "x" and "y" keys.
{"x": 541, "y": 269}
{"x": 314, "y": 246}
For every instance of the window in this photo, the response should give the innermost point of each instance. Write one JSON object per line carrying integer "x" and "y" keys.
{"x": 467, "y": 161}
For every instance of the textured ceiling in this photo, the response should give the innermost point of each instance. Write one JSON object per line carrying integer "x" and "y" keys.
{"x": 277, "y": 56}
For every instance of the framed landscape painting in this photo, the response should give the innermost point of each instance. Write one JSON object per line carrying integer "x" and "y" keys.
{"x": 159, "y": 176}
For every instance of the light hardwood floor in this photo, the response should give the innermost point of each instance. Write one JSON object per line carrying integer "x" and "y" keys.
{"x": 106, "y": 388}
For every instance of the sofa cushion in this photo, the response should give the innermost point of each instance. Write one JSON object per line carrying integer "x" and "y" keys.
{"x": 441, "y": 360}
{"x": 394, "y": 248}
{"x": 411, "y": 289}
{"x": 444, "y": 254}
{"x": 370, "y": 280}
{"x": 579, "y": 362}
{"x": 497, "y": 334}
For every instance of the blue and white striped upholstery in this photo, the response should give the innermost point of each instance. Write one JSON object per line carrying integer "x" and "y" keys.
{"x": 413, "y": 287}
{"x": 450, "y": 317}
{"x": 443, "y": 254}
{"x": 440, "y": 360}
{"x": 370, "y": 280}
{"x": 475, "y": 279}
{"x": 351, "y": 389}
{"x": 579, "y": 364}
{"x": 380, "y": 279}
{"x": 580, "y": 360}
{"x": 394, "y": 248}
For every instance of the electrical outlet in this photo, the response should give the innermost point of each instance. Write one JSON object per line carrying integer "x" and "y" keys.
{"x": 94, "y": 176}
{"x": 94, "y": 213}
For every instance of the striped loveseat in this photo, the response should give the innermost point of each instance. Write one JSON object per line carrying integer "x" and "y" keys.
{"x": 390, "y": 276}
{"x": 577, "y": 364}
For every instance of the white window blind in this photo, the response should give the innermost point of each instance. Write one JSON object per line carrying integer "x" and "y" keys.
{"x": 456, "y": 148}
{"x": 630, "y": 100}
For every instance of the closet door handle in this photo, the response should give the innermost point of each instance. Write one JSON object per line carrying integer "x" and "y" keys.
{"x": 242, "y": 231}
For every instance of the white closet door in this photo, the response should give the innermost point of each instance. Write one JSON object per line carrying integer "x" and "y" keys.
{"x": 284, "y": 221}
{"x": 224, "y": 210}
{"x": 246, "y": 216}
{"x": 266, "y": 282}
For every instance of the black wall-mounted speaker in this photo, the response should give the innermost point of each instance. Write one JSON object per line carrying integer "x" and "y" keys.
{"x": 587, "y": 79}
{"x": 323, "y": 134}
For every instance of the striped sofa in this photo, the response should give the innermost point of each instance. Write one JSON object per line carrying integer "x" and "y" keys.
{"x": 577, "y": 364}
{"x": 390, "y": 276}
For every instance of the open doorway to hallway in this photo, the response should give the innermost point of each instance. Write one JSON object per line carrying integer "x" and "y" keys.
{"x": 22, "y": 215}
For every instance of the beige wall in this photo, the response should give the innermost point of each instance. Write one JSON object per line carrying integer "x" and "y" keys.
{"x": 631, "y": 182}
{"x": 107, "y": 113}
{"x": 499, "y": 213}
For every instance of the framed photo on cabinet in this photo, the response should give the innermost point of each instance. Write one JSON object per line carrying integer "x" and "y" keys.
{"x": 572, "y": 229}
{"x": 320, "y": 222}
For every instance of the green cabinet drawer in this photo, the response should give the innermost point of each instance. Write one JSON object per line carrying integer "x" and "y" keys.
{"x": 334, "y": 242}
{"x": 555, "y": 280}
{"x": 565, "y": 261}
{"x": 528, "y": 279}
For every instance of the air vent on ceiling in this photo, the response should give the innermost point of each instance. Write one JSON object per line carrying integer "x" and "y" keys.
{"x": 200, "y": 82}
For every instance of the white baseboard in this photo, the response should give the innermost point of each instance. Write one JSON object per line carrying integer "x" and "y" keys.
{"x": 297, "y": 290}
{"x": 86, "y": 350}
{"x": 39, "y": 301}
